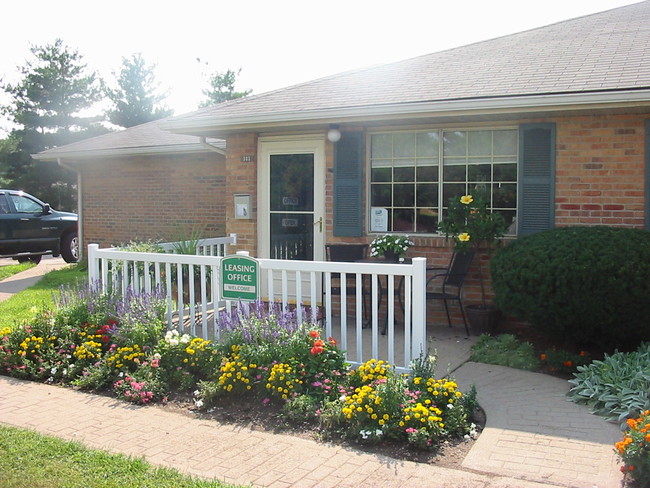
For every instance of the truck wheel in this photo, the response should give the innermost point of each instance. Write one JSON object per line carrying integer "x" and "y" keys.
{"x": 31, "y": 259}
{"x": 70, "y": 247}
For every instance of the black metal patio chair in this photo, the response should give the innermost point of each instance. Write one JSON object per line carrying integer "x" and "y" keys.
{"x": 450, "y": 282}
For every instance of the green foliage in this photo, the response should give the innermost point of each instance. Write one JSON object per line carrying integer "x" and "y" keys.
{"x": 222, "y": 88}
{"x": 618, "y": 387}
{"x": 634, "y": 450}
{"x": 471, "y": 223}
{"x": 31, "y": 459}
{"x": 46, "y": 105}
{"x": 585, "y": 284}
{"x": 504, "y": 350}
{"x": 135, "y": 99}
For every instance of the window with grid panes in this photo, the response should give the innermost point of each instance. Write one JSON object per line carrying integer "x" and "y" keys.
{"x": 414, "y": 174}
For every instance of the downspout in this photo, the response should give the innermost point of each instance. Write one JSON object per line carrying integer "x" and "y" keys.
{"x": 79, "y": 203}
{"x": 209, "y": 146}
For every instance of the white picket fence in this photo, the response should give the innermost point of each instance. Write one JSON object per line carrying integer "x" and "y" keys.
{"x": 191, "y": 284}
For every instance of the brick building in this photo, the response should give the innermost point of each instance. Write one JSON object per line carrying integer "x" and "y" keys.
{"x": 554, "y": 123}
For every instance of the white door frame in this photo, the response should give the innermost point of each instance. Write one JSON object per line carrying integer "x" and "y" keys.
{"x": 268, "y": 146}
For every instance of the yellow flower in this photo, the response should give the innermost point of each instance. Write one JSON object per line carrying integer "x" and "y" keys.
{"x": 466, "y": 199}
{"x": 464, "y": 237}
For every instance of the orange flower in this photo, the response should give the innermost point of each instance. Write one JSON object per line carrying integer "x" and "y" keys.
{"x": 313, "y": 334}
{"x": 332, "y": 341}
{"x": 568, "y": 364}
{"x": 317, "y": 350}
{"x": 542, "y": 357}
{"x": 583, "y": 354}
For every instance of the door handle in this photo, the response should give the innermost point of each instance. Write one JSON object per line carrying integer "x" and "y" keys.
{"x": 320, "y": 224}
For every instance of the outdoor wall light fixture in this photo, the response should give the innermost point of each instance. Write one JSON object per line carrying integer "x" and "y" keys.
{"x": 334, "y": 134}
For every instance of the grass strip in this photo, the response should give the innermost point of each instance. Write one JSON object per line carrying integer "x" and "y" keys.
{"x": 12, "y": 269}
{"x": 18, "y": 308}
{"x": 29, "y": 459}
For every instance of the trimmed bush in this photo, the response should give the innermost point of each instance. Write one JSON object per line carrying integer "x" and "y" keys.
{"x": 590, "y": 285}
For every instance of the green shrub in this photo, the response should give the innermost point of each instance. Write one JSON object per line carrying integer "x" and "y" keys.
{"x": 504, "y": 350}
{"x": 587, "y": 284}
{"x": 618, "y": 387}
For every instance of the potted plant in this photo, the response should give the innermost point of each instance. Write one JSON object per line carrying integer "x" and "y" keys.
{"x": 390, "y": 246}
{"x": 474, "y": 227}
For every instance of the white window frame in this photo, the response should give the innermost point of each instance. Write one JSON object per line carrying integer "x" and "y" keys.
{"x": 441, "y": 203}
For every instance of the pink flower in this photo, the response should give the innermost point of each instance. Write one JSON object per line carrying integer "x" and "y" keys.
{"x": 411, "y": 430}
{"x": 155, "y": 363}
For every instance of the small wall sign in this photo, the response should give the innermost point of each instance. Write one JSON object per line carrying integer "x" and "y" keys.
{"x": 378, "y": 219}
{"x": 239, "y": 278}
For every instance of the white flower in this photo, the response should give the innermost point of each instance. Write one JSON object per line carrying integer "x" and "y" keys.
{"x": 65, "y": 372}
{"x": 198, "y": 403}
{"x": 379, "y": 432}
{"x": 185, "y": 339}
{"x": 365, "y": 434}
{"x": 450, "y": 406}
{"x": 173, "y": 342}
{"x": 157, "y": 356}
{"x": 53, "y": 371}
{"x": 342, "y": 398}
{"x": 197, "y": 393}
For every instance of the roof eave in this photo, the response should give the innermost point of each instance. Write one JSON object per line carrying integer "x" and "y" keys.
{"x": 441, "y": 108}
{"x": 126, "y": 152}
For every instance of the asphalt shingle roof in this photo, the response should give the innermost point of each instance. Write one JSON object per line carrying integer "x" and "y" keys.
{"x": 141, "y": 138}
{"x": 600, "y": 52}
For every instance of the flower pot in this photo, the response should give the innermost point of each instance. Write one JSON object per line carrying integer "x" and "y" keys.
{"x": 391, "y": 257}
{"x": 483, "y": 319}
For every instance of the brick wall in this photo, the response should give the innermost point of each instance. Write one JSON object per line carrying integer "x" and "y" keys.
{"x": 600, "y": 171}
{"x": 159, "y": 198}
{"x": 241, "y": 177}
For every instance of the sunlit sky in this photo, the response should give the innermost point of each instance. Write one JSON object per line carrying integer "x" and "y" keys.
{"x": 275, "y": 43}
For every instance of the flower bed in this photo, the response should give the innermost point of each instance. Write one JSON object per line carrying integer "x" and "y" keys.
{"x": 103, "y": 342}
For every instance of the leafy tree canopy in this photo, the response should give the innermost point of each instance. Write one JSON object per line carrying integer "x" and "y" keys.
{"x": 46, "y": 106}
{"x": 222, "y": 88}
{"x": 136, "y": 99}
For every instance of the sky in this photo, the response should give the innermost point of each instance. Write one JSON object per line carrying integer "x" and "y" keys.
{"x": 275, "y": 43}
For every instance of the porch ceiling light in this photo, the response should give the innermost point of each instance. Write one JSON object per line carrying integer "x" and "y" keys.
{"x": 334, "y": 134}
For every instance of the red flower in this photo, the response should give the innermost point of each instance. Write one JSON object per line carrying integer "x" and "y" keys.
{"x": 332, "y": 341}
{"x": 319, "y": 343}
{"x": 568, "y": 364}
{"x": 313, "y": 334}
{"x": 317, "y": 350}
{"x": 105, "y": 339}
{"x": 542, "y": 357}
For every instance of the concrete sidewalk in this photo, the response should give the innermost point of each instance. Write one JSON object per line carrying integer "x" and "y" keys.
{"x": 25, "y": 279}
{"x": 533, "y": 437}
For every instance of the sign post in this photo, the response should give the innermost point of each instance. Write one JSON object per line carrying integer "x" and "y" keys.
{"x": 239, "y": 278}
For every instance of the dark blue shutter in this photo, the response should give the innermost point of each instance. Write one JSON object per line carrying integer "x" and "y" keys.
{"x": 647, "y": 174}
{"x": 536, "y": 202}
{"x": 348, "y": 165}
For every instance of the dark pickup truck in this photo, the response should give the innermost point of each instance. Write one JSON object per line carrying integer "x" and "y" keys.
{"x": 30, "y": 228}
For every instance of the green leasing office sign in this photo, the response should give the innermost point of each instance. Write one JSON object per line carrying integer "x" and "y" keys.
{"x": 239, "y": 278}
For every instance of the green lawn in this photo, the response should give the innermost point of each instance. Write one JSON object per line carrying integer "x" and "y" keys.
{"x": 19, "y": 307}
{"x": 30, "y": 460}
{"x": 12, "y": 269}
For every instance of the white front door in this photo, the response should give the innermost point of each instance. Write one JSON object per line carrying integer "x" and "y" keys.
{"x": 291, "y": 190}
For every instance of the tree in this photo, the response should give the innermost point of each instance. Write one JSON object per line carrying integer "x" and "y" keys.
{"x": 46, "y": 107}
{"x": 222, "y": 88}
{"x": 135, "y": 101}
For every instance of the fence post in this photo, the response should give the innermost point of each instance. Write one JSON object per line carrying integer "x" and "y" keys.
{"x": 93, "y": 264}
{"x": 419, "y": 324}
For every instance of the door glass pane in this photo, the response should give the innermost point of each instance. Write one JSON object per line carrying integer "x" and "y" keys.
{"x": 292, "y": 236}
{"x": 292, "y": 182}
